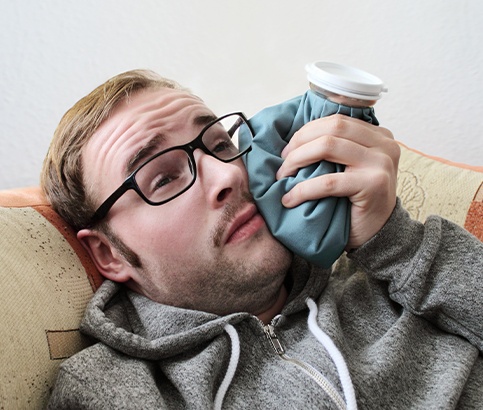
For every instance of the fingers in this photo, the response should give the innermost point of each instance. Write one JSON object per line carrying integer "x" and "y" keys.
{"x": 340, "y": 126}
{"x": 315, "y": 188}
{"x": 326, "y": 147}
{"x": 338, "y": 139}
{"x": 370, "y": 156}
{"x": 359, "y": 186}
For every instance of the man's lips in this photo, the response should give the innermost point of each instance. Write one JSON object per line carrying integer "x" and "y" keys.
{"x": 245, "y": 224}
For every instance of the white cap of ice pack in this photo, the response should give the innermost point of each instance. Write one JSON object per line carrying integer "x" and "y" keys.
{"x": 345, "y": 80}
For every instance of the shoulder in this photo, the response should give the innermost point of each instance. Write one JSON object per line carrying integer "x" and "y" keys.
{"x": 102, "y": 361}
{"x": 100, "y": 375}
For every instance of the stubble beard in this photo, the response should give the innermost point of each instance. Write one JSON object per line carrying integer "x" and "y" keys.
{"x": 222, "y": 285}
{"x": 244, "y": 285}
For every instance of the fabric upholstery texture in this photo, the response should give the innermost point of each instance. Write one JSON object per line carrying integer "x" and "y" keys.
{"x": 428, "y": 185}
{"x": 47, "y": 277}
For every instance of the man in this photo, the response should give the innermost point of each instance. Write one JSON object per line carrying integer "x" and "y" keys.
{"x": 203, "y": 308}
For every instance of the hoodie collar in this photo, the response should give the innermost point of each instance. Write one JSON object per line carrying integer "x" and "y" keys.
{"x": 140, "y": 327}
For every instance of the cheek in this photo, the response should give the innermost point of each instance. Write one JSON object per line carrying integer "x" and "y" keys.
{"x": 163, "y": 231}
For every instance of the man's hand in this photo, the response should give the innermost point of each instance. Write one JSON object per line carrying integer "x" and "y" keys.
{"x": 371, "y": 157}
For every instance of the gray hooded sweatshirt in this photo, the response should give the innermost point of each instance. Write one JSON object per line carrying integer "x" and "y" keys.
{"x": 397, "y": 324}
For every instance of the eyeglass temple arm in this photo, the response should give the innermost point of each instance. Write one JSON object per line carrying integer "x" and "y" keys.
{"x": 109, "y": 202}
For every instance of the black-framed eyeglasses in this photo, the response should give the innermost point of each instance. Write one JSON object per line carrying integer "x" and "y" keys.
{"x": 171, "y": 172}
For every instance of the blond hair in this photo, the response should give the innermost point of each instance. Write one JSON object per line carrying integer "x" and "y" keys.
{"x": 62, "y": 173}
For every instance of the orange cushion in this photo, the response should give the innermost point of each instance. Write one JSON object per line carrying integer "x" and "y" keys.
{"x": 33, "y": 197}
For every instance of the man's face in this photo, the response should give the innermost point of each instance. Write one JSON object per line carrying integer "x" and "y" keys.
{"x": 208, "y": 249}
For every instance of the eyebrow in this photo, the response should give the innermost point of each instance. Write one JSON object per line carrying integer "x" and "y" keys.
{"x": 144, "y": 153}
{"x": 153, "y": 145}
{"x": 203, "y": 120}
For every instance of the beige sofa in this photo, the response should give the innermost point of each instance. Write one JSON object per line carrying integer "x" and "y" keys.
{"x": 47, "y": 278}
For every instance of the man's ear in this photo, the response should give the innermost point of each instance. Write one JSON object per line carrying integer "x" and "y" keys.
{"x": 105, "y": 256}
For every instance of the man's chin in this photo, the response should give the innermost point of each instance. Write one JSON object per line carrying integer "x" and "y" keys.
{"x": 272, "y": 257}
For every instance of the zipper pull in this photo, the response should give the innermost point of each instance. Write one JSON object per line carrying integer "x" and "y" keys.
{"x": 272, "y": 337}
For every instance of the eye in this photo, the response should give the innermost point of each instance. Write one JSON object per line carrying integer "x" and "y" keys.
{"x": 163, "y": 180}
{"x": 169, "y": 174}
{"x": 220, "y": 144}
{"x": 165, "y": 175}
{"x": 223, "y": 144}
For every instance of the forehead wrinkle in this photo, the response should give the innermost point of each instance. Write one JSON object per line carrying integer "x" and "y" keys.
{"x": 145, "y": 111}
{"x": 153, "y": 145}
{"x": 155, "y": 112}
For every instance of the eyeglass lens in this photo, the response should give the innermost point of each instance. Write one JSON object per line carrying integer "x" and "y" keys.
{"x": 168, "y": 174}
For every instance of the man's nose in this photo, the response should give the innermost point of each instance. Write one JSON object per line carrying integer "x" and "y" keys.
{"x": 220, "y": 180}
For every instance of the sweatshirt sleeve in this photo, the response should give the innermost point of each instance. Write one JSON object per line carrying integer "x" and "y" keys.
{"x": 434, "y": 269}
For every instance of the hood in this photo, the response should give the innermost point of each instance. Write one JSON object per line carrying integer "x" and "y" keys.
{"x": 139, "y": 327}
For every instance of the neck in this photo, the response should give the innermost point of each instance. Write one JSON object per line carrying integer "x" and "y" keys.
{"x": 276, "y": 308}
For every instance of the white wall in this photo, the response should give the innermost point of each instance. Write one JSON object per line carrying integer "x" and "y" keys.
{"x": 242, "y": 55}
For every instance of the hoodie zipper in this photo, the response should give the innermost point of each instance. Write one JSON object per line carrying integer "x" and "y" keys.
{"x": 307, "y": 368}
